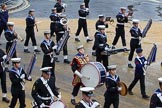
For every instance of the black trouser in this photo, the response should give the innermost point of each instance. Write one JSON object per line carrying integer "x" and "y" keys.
{"x": 3, "y": 81}
{"x": 86, "y": 3}
{"x": 119, "y": 32}
{"x": 109, "y": 101}
{"x": 17, "y": 94}
{"x": 134, "y": 43}
{"x": 8, "y": 46}
{"x": 100, "y": 58}
{"x": 82, "y": 23}
{"x": 47, "y": 63}
{"x": 30, "y": 34}
{"x": 2, "y": 27}
{"x": 53, "y": 28}
{"x": 76, "y": 89}
{"x": 58, "y": 37}
{"x": 137, "y": 77}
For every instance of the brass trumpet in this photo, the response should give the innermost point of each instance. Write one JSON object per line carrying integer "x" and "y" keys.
{"x": 18, "y": 37}
{"x": 109, "y": 19}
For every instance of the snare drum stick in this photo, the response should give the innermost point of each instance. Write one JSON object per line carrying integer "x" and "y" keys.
{"x": 86, "y": 77}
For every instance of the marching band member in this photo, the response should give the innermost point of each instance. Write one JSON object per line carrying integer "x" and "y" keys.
{"x": 61, "y": 28}
{"x": 87, "y": 102}
{"x": 140, "y": 62}
{"x": 156, "y": 98}
{"x": 135, "y": 40}
{"x": 44, "y": 89}
{"x": 82, "y": 23}
{"x": 30, "y": 23}
{"x": 3, "y": 18}
{"x": 17, "y": 77}
{"x": 101, "y": 45}
{"x": 78, "y": 61}
{"x": 121, "y": 19}
{"x": 54, "y": 19}
{"x": 3, "y": 57}
{"x": 48, "y": 46}
{"x": 10, "y": 36}
{"x": 112, "y": 92}
{"x": 59, "y": 7}
{"x": 101, "y": 21}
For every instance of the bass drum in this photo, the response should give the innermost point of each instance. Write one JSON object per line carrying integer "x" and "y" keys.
{"x": 95, "y": 73}
{"x": 57, "y": 104}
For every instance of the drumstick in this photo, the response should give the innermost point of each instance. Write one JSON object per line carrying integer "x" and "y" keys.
{"x": 86, "y": 77}
{"x": 38, "y": 22}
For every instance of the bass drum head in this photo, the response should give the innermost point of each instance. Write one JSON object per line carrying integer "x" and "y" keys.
{"x": 123, "y": 92}
{"x": 89, "y": 70}
{"x": 57, "y": 104}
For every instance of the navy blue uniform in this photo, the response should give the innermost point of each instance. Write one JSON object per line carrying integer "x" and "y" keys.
{"x": 82, "y": 23}
{"x": 60, "y": 30}
{"x": 139, "y": 74}
{"x": 112, "y": 93}
{"x": 134, "y": 42}
{"x": 30, "y": 23}
{"x": 10, "y": 37}
{"x": 46, "y": 47}
{"x": 40, "y": 92}
{"x": 3, "y": 20}
{"x": 17, "y": 87}
{"x": 99, "y": 45}
{"x": 155, "y": 99}
{"x": 2, "y": 73}
{"x": 54, "y": 19}
{"x": 84, "y": 104}
{"x": 121, "y": 19}
{"x": 86, "y": 3}
{"x": 100, "y": 23}
{"x": 59, "y": 7}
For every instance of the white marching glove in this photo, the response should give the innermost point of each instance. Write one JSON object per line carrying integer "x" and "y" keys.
{"x": 54, "y": 47}
{"x": 119, "y": 88}
{"x": 4, "y": 57}
{"x": 29, "y": 77}
{"x": 106, "y": 48}
{"x": 78, "y": 74}
{"x": 145, "y": 62}
{"x": 22, "y": 76}
{"x": 42, "y": 105}
{"x": 59, "y": 96}
{"x": 96, "y": 104}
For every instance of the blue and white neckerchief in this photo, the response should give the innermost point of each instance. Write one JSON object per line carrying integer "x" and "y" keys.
{"x": 17, "y": 71}
{"x": 115, "y": 78}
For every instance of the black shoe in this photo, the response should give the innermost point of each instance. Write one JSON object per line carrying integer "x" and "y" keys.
{"x": 161, "y": 63}
{"x": 77, "y": 40}
{"x": 37, "y": 51}
{"x": 130, "y": 92}
{"x": 145, "y": 97}
{"x": 73, "y": 101}
{"x": 112, "y": 47}
{"x": 88, "y": 40}
{"x": 67, "y": 61}
{"x": 26, "y": 51}
{"x": 130, "y": 66}
{"x": 5, "y": 99}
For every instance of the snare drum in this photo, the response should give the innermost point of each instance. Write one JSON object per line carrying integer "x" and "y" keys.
{"x": 57, "y": 104}
{"x": 96, "y": 73}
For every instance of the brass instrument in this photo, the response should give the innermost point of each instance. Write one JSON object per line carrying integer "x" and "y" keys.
{"x": 18, "y": 37}
{"x": 109, "y": 19}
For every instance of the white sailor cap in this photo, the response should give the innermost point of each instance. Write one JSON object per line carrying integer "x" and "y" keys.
{"x": 160, "y": 79}
{"x": 101, "y": 16}
{"x": 82, "y": 4}
{"x": 111, "y": 67}
{"x": 53, "y": 9}
{"x": 15, "y": 60}
{"x": 135, "y": 21}
{"x": 46, "y": 70}
{"x": 101, "y": 27}
{"x": 123, "y": 8}
{"x": 80, "y": 46}
{"x": 10, "y": 23}
{"x": 46, "y": 32}
{"x": 87, "y": 90}
{"x": 32, "y": 10}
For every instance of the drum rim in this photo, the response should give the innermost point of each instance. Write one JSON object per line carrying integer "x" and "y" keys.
{"x": 59, "y": 101}
{"x": 92, "y": 63}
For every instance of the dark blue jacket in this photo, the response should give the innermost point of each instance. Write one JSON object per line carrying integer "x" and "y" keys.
{"x": 3, "y": 17}
{"x": 139, "y": 62}
{"x": 155, "y": 101}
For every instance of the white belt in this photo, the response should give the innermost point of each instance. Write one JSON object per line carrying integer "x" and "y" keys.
{"x": 44, "y": 98}
{"x": 82, "y": 17}
{"x": 134, "y": 37}
{"x": 54, "y": 21}
{"x": 61, "y": 32}
{"x": 101, "y": 45}
{"x": 120, "y": 23}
